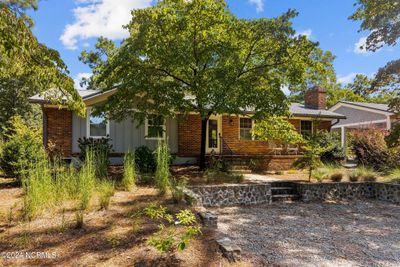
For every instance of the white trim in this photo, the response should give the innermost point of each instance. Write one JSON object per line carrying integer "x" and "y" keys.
{"x": 146, "y": 130}
{"x": 252, "y": 127}
{"x": 354, "y": 106}
{"x": 358, "y": 124}
{"x": 388, "y": 123}
{"x": 218, "y": 118}
{"x": 343, "y": 136}
{"x": 88, "y": 112}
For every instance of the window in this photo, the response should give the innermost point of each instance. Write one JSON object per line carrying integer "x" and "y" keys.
{"x": 155, "y": 127}
{"x": 246, "y": 125}
{"x": 97, "y": 126}
{"x": 306, "y": 128}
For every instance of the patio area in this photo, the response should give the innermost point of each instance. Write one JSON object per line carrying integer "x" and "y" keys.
{"x": 363, "y": 233}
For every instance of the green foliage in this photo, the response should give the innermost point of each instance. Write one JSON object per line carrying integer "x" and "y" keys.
{"x": 333, "y": 152}
{"x": 393, "y": 139}
{"x": 79, "y": 219}
{"x": 169, "y": 237}
{"x": 394, "y": 176}
{"x": 320, "y": 175}
{"x": 145, "y": 159}
{"x": 312, "y": 151}
{"x": 277, "y": 128}
{"x": 177, "y": 188}
{"x": 162, "y": 175}
{"x": 337, "y": 177}
{"x": 129, "y": 177}
{"x": 155, "y": 211}
{"x": 365, "y": 174}
{"x": 106, "y": 190}
{"x": 342, "y": 94}
{"x": 22, "y": 148}
{"x": 86, "y": 181}
{"x": 28, "y": 67}
{"x": 354, "y": 177}
{"x": 101, "y": 149}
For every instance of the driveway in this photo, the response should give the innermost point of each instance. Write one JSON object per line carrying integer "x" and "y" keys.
{"x": 328, "y": 234}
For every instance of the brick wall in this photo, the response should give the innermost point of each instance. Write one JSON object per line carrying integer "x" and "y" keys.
{"x": 58, "y": 130}
{"x": 189, "y": 136}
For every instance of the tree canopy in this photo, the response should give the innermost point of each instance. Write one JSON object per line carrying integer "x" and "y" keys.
{"x": 184, "y": 56}
{"x": 28, "y": 67}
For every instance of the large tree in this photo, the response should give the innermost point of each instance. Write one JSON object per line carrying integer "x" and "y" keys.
{"x": 196, "y": 56}
{"x": 381, "y": 19}
{"x": 28, "y": 67}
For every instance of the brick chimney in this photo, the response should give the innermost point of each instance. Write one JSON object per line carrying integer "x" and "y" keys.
{"x": 315, "y": 98}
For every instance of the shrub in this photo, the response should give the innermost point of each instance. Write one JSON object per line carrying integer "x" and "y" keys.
{"x": 178, "y": 187}
{"x": 336, "y": 177}
{"x": 22, "y": 148}
{"x": 162, "y": 174}
{"x": 365, "y": 174}
{"x": 333, "y": 152}
{"x": 393, "y": 139}
{"x": 100, "y": 148}
{"x": 394, "y": 176}
{"x": 353, "y": 177}
{"x": 106, "y": 190}
{"x": 129, "y": 177}
{"x": 320, "y": 175}
{"x": 145, "y": 159}
{"x": 371, "y": 150}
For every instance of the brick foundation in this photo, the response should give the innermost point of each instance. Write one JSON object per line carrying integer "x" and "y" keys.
{"x": 58, "y": 130}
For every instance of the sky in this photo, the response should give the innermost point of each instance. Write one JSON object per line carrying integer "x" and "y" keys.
{"x": 71, "y": 26}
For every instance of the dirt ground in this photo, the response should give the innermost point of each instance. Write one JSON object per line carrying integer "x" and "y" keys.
{"x": 108, "y": 238}
{"x": 327, "y": 234}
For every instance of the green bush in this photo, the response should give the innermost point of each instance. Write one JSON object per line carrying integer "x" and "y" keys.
{"x": 23, "y": 147}
{"x": 145, "y": 159}
{"x": 178, "y": 187}
{"x": 394, "y": 176}
{"x": 100, "y": 148}
{"x": 129, "y": 177}
{"x": 320, "y": 174}
{"x": 162, "y": 175}
{"x": 336, "y": 177}
{"x": 353, "y": 177}
{"x": 333, "y": 153}
{"x": 366, "y": 174}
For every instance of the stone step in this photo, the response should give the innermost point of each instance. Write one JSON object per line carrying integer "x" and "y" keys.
{"x": 282, "y": 191}
{"x": 282, "y": 198}
{"x": 281, "y": 188}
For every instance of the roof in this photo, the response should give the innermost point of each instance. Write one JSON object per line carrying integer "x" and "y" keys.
{"x": 297, "y": 109}
{"x": 85, "y": 94}
{"x": 381, "y": 107}
{"x": 372, "y": 107}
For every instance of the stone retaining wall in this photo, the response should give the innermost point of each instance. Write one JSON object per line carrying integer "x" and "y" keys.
{"x": 347, "y": 191}
{"x": 230, "y": 195}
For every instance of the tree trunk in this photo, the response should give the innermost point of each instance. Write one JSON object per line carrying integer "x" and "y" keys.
{"x": 202, "y": 163}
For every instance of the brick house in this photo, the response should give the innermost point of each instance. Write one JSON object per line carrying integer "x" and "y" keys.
{"x": 226, "y": 134}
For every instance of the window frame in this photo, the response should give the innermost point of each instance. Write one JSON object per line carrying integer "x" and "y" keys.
{"x": 312, "y": 127}
{"x": 146, "y": 129}
{"x": 88, "y": 134}
{"x": 252, "y": 127}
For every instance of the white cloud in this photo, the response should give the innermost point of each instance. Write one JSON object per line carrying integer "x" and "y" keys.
{"x": 347, "y": 78}
{"x": 258, "y": 3}
{"x": 307, "y": 33}
{"x": 95, "y": 18}
{"x": 359, "y": 47}
{"x": 78, "y": 80}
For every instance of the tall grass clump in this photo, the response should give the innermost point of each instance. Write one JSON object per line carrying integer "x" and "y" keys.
{"x": 366, "y": 174}
{"x": 39, "y": 189}
{"x": 129, "y": 178}
{"x": 86, "y": 180}
{"x": 106, "y": 190}
{"x": 65, "y": 180}
{"x": 394, "y": 176}
{"x": 162, "y": 174}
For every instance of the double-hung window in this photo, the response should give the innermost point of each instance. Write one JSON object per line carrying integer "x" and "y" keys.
{"x": 155, "y": 127}
{"x": 246, "y": 126}
{"x": 306, "y": 128}
{"x": 97, "y": 125}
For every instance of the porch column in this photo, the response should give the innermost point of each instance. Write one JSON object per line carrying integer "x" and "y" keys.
{"x": 343, "y": 136}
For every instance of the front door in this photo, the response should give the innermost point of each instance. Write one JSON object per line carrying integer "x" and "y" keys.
{"x": 213, "y": 132}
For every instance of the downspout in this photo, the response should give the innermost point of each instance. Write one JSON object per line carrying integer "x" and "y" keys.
{"x": 337, "y": 121}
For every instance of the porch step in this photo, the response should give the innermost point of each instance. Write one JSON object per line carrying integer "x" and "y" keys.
{"x": 284, "y": 191}
{"x": 283, "y": 198}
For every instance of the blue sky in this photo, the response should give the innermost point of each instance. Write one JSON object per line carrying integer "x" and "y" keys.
{"x": 71, "y": 26}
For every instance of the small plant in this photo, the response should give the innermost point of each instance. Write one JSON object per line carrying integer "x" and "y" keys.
{"x": 114, "y": 240}
{"x": 162, "y": 174}
{"x": 129, "y": 177}
{"x": 365, "y": 174}
{"x": 24, "y": 240}
{"x": 215, "y": 176}
{"x": 320, "y": 174}
{"x": 178, "y": 187}
{"x": 394, "y": 176}
{"x": 145, "y": 159}
{"x": 353, "y": 177}
{"x": 136, "y": 223}
{"x": 106, "y": 190}
{"x": 86, "y": 181}
{"x": 79, "y": 219}
{"x": 155, "y": 211}
{"x": 10, "y": 215}
{"x": 279, "y": 173}
{"x": 336, "y": 177}
{"x": 63, "y": 226}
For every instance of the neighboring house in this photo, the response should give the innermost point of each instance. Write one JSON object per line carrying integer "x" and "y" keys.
{"x": 361, "y": 115}
{"x": 226, "y": 134}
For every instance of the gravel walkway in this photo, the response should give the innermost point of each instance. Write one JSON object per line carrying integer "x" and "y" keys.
{"x": 329, "y": 234}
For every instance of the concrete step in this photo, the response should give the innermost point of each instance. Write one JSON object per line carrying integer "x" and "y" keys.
{"x": 282, "y": 198}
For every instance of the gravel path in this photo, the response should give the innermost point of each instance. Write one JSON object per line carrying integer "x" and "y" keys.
{"x": 329, "y": 234}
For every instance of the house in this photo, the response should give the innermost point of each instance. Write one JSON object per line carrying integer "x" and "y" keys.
{"x": 226, "y": 134}
{"x": 361, "y": 115}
